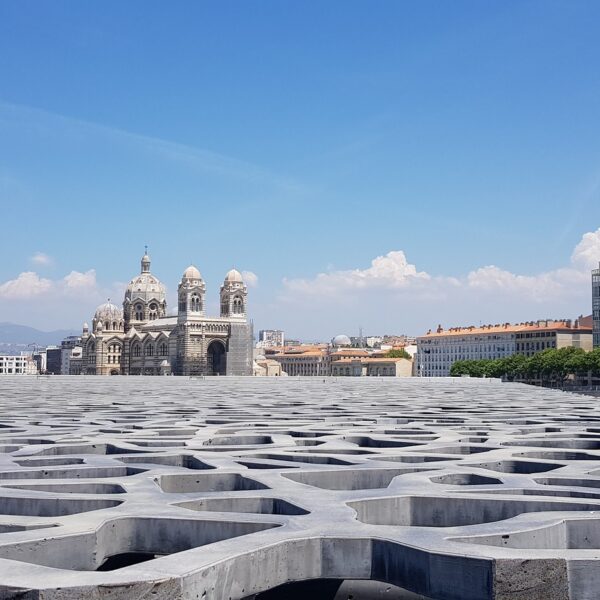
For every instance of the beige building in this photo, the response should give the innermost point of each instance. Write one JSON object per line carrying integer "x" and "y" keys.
{"x": 553, "y": 334}
{"x": 438, "y": 351}
{"x": 372, "y": 367}
{"x": 303, "y": 361}
{"x": 339, "y": 361}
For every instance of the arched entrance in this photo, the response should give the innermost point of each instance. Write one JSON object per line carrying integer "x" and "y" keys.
{"x": 217, "y": 361}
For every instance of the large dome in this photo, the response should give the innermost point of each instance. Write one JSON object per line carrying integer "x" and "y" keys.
{"x": 341, "y": 340}
{"x": 234, "y": 276}
{"x": 108, "y": 312}
{"x": 191, "y": 273}
{"x": 145, "y": 286}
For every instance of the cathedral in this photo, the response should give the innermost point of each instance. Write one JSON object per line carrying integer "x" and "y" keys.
{"x": 140, "y": 339}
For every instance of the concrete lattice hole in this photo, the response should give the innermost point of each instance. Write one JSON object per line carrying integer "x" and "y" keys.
{"x": 448, "y": 511}
{"x": 265, "y": 506}
{"x": 355, "y": 479}
{"x": 76, "y": 473}
{"x": 264, "y": 465}
{"x": 181, "y": 460}
{"x": 239, "y": 440}
{"x": 519, "y": 466}
{"x": 303, "y": 458}
{"x": 128, "y": 541}
{"x": 72, "y": 488}
{"x": 558, "y": 455}
{"x": 336, "y": 589}
{"x": 214, "y": 482}
{"x": 412, "y": 458}
{"x": 570, "y": 534}
{"x": 465, "y": 479}
{"x": 52, "y": 507}
{"x": 369, "y": 442}
{"x": 86, "y": 449}
{"x": 308, "y": 442}
{"x": 458, "y": 449}
{"x": 49, "y": 462}
{"x": 569, "y": 481}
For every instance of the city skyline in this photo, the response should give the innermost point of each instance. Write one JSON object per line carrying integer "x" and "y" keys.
{"x": 459, "y": 144}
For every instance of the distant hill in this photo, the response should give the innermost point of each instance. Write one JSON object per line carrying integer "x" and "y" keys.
{"x": 15, "y": 338}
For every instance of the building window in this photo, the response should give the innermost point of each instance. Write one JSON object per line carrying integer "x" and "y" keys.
{"x": 195, "y": 303}
{"x": 163, "y": 349}
{"x": 139, "y": 312}
{"x": 149, "y": 350}
{"x": 136, "y": 350}
{"x": 153, "y": 312}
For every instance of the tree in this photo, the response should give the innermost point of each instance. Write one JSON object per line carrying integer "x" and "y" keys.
{"x": 398, "y": 353}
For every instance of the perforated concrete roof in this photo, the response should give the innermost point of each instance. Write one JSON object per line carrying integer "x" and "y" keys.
{"x": 225, "y": 488}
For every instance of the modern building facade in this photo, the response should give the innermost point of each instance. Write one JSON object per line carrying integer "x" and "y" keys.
{"x": 17, "y": 365}
{"x": 66, "y": 349}
{"x": 53, "y": 360}
{"x": 140, "y": 339}
{"x": 438, "y": 351}
{"x": 270, "y": 338}
{"x": 596, "y": 305}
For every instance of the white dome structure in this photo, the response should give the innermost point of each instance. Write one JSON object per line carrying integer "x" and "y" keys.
{"x": 234, "y": 276}
{"x": 340, "y": 341}
{"x": 108, "y": 312}
{"x": 192, "y": 273}
{"x": 107, "y": 317}
{"x": 145, "y": 297}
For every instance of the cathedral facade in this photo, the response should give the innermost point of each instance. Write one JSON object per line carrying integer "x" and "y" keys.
{"x": 140, "y": 339}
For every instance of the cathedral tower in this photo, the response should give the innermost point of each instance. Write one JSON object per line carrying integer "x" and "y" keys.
{"x": 234, "y": 296}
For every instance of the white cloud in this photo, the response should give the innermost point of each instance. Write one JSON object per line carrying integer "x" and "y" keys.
{"x": 41, "y": 259}
{"x": 250, "y": 278}
{"x": 587, "y": 252}
{"x": 392, "y": 294}
{"x": 27, "y": 285}
{"x": 52, "y": 303}
{"x": 77, "y": 281}
{"x": 391, "y": 271}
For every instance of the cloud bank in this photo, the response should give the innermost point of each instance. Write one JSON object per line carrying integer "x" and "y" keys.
{"x": 389, "y": 295}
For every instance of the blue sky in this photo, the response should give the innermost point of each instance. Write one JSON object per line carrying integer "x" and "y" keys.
{"x": 300, "y": 141}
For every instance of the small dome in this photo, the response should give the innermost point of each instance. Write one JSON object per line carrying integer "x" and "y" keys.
{"x": 191, "y": 273}
{"x": 108, "y": 312}
{"x": 234, "y": 276}
{"x": 341, "y": 340}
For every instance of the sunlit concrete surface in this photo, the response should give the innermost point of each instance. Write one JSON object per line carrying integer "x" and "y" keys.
{"x": 174, "y": 488}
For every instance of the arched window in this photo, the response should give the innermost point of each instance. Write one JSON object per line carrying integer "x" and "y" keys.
{"x": 182, "y": 303}
{"x": 107, "y": 325}
{"x": 153, "y": 312}
{"x": 195, "y": 303}
{"x": 149, "y": 350}
{"x": 136, "y": 350}
{"x": 238, "y": 305}
{"x": 139, "y": 312}
{"x": 164, "y": 349}
{"x": 114, "y": 325}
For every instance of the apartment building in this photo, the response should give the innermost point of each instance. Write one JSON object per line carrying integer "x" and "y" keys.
{"x": 17, "y": 365}
{"x": 438, "y": 351}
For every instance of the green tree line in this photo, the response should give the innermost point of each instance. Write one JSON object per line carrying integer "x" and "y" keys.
{"x": 549, "y": 366}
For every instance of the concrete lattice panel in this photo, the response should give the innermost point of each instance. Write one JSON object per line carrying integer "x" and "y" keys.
{"x": 171, "y": 488}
